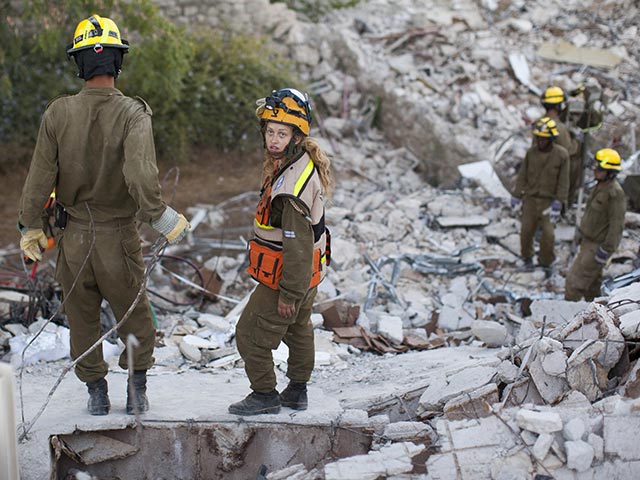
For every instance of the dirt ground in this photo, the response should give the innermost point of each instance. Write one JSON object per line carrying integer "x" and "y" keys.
{"x": 210, "y": 178}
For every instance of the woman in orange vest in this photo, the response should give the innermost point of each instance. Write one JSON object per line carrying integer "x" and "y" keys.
{"x": 288, "y": 255}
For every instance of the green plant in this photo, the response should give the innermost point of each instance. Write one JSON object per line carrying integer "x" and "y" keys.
{"x": 201, "y": 85}
{"x": 315, "y": 9}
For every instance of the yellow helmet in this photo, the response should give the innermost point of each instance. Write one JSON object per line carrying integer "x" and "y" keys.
{"x": 96, "y": 32}
{"x": 608, "y": 159}
{"x": 288, "y": 106}
{"x": 545, "y": 127}
{"x": 553, "y": 96}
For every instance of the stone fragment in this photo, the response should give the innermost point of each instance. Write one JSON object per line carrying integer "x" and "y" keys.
{"x": 539, "y": 422}
{"x": 390, "y": 327}
{"x": 408, "y": 431}
{"x": 16, "y": 329}
{"x": 617, "y": 432}
{"x": 393, "y": 459}
{"x": 507, "y": 372}
{"x": 474, "y": 404}
{"x": 167, "y": 356}
{"x": 631, "y": 387}
{"x": 595, "y": 323}
{"x": 630, "y": 325}
{"x": 589, "y": 378}
{"x": 628, "y": 294}
{"x": 467, "y": 380}
{"x": 557, "y": 312}
{"x": 542, "y": 445}
{"x": 554, "y": 363}
{"x": 517, "y": 466}
{"x": 199, "y": 342}
{"x": 579, "y": 455}
{"x": 215, "y": 323}
{"x": 588, "y": 350}
{"x": 191, "y": 352}
{"x": 574, "y": 429}
{"x": 466, "y": 222}
{"x": 551, "y": 388}
{"x": 598, "y": 446}
{"x": 493, "y": 334}
{"x": 529, "y": 438}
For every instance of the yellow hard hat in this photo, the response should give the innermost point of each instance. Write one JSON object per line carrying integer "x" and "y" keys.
{"x": 545, "y": 127}
{"x": 96, "y": 32}
{"x": 608, "y": 159}
{"x": 288, "y": 106}
{"x": 553, "y": 95}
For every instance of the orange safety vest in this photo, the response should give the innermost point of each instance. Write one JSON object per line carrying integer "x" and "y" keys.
{"x": 299, "y": 180}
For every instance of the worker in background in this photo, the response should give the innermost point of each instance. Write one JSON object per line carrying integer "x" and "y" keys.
{"x": 541, "y": 189}
{"x": 288, "y": 255}
{"x": 554, "y": 102}
{"x": 96, "y": 149}
{"x": 600, "y": 230}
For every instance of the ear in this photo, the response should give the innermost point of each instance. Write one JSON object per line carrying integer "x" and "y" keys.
{"x": 297, "y": 139}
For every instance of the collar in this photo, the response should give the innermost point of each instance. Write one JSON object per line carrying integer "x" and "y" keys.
{"x": 101, "y": 91}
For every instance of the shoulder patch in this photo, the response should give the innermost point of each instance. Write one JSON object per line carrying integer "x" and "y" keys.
{"x": 55, "y": 99}
{"x": 147, "y": 108}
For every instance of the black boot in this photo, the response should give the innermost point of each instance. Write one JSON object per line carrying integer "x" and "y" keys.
{"x": 256, "y": 404}
{"x": 295, "y": 396}
{"x": 139, "y": 401}
{"x": 98, "y": 403}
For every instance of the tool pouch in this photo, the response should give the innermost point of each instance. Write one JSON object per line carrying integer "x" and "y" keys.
{"x": 265, "y": 263}
{"x": 60, "y": 217}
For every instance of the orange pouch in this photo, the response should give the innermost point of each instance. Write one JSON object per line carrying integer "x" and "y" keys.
{"x": 265, "y": 264}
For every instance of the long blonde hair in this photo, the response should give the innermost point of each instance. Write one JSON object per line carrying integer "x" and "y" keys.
{"x": 320, "y": 160}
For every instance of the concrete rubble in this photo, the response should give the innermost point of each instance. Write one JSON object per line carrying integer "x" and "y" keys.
{"x": 513, "y": 381}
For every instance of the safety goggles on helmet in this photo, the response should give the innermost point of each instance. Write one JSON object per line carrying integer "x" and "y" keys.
{"x": 608, "y": 159}
{"x": 545, "y": 127}
{"x": 97, "y": 33}
{"x": 288, "y": 106}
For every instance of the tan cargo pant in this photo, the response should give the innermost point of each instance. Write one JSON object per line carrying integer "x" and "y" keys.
{"x": 532, "y": 217}
{"x": 584, "y": 277}
{"x": 114, "y": 271}
{"x": 261, "y": 329}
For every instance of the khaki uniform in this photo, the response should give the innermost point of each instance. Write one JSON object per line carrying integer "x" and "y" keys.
{"x": 261, "y": 328}
{"x": 543, "y": 177}
{"x": 572, "y": 145}
{"x": 96, "y": 149}
{"x": 601, "y": 226}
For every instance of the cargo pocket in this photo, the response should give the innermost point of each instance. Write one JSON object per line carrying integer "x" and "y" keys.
{"x": 269, "y": 333}
{"x": 134, "y": 264}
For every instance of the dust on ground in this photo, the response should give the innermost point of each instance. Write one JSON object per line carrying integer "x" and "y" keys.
{"x": 209, "y": 178}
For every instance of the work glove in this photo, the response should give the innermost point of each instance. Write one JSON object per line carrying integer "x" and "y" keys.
{"x": 554, "y": 213}
{"x": 33, "y": 242}
{"x": 516, "y": 205}
{"x": 601, "y": 256}
{"x": 173, "y": 225}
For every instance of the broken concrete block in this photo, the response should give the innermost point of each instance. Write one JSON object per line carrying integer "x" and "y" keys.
{"x": 439, "y": 392}
{"x": 527, "y": 330}
{"x": 492, "y": 334}
{"x": 595, "y": 323}
{"x": 627, "y": 296}
{"x": 617, "y": 431}
{"x": 589, "y": 378}
{"x": 440, "y": 466}
{"x": 190, "y": 351}
{"x": 390, "y": 327}
{"x": 354, "y": 417}
{"x": 557, "y": 312}
{"x": 631, "y": 387}
{"x": 409, "y": 431}
{"x": 587, "y": 351}
{"x": 294, "y": 472}
{"x": 393, "y": 459}
{"x": 16, "y": 329}
{"x": 517, "y": 466}
{"x": 167, "y": 356}
{"x": 479, "y": 433}
{"x": 507, "y": 372}
{"x": 542, "y": 445}
{"x": 630, "y": 325}
{"x": 199, "y": 342}
{"x": 551, "y": 388}
{"x": 451, "y": 318}
{"x": 554, "y": 363}
{"x": 529, "y": 438}
{"x": 539, "y": 422}
{"x": 598, "y": 446}
{"x": 474, "y": 404}
{"x": 466, "y": 222}
{"x": 215, "y": 323}
{"x": 579, "y": 455}
{"x": 574, "y": 429}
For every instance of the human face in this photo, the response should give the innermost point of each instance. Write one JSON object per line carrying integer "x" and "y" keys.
{"x": 599, "y": 174}
{"x": 544, "y": 144}
{"x": 277, "y": 136}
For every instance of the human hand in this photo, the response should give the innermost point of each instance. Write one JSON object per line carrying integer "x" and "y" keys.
{"x": 286, "y": 310}
{"x": 32, "y": 243}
